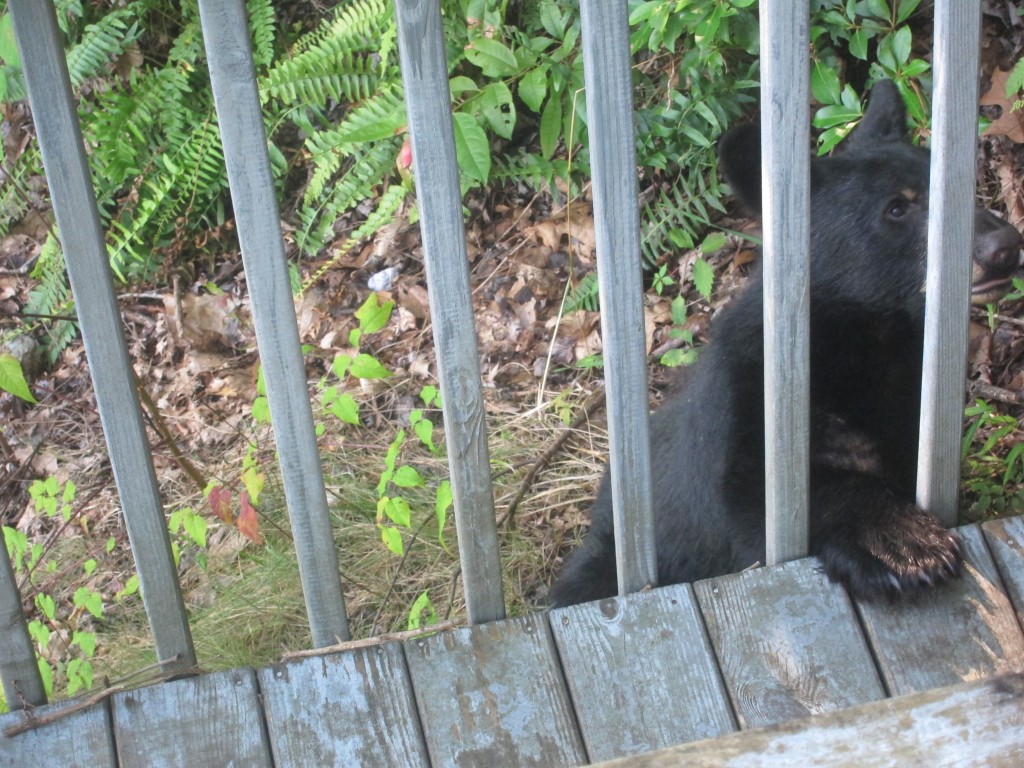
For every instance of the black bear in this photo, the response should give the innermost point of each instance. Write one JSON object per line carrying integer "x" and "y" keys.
{"x": 869, "y": 211}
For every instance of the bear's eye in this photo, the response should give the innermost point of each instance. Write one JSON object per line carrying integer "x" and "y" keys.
{"x": 896, "y": 209}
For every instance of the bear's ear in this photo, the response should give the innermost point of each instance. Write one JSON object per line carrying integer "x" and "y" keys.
{"x": 739, "y": 157}
{"x": 884, "y": 121}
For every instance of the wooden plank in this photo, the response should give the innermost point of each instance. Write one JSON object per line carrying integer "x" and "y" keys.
{"x": 212, "y": 719}
{"x": 608, "y": 78}
{"x": 788, "y": 643}
{"x": 85, "y": 253}
{"x": 19, "y": 672}
{"x": 972, "y": 724}
{"x": 80, "y": 740}
{"x": 421, "y": 47}
{"x": 1006, "y": 542}
{"x": 786, "y": 205}
{"x": 641, "y": 672}
{"x": 233, "y": 78}
{"x": 353, "y": 708}
{"x": 964, "y": 630}
{"x": 493, "y": 695}
{"x": 957, "y": 30}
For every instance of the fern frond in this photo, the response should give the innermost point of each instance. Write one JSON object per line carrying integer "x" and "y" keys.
{"x": 535, "y": 171}
{"x": 678, "y": 215}
{"x": 378, "y": 117}
{"x": 364, "y": 20}
{"x": 100, "y": 43}
{"x": 190, "y": 176}
{"x": 318, "y": 76}
{"x": 262, "y": 26}
{"x": 52, "y": 296}
{"x": 356, "y": 184}
{"x": 384, "y": 214}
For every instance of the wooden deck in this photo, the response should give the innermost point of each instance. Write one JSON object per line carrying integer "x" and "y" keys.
{"x": 616, "y": 678}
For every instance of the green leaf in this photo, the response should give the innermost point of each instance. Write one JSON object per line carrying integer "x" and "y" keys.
{"x": 407, "y": 477}
{"x": 12, "y": 378}
{"x": 366, "y": 367}
{"x": 86, "y": 641}
{"x": 533, "y": 87}
{"x": 494, "y": 58}
{"x": 906, "y": 7}
{"x": 550, "y": 126}
{"x": 374, "y": 314}
{"x": 392, "y": 539}
{"x": 825, "y": 85}
{"x": 879, "y": 9}
{"x": 261, "y": 410}
{"x": 394, "y": 509}
{"x": 859, "y": 44}
{"x": 497, "y": 108}
{"x": 703, "y": 277}
{"x": 341, "y": 405}
{"x": 472, "y": 148}
{"x": 902, "y": 43}
{"x": 1015, "y": 82}
{"x": 46, "y": 606}
{"x": 442, "y": 501}
{"x": 424, "y": 429}
{"x": 340, "y": 365}
{"x": 421, "y": 606}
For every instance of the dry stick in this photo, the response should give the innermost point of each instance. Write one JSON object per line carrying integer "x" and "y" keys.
{"x": 156, "y": 421}
{"x": 991, "y": 392}
{"x": 32, "y": 722}
{"x": 369, "y": 642}
{"x": 592, "y": 404}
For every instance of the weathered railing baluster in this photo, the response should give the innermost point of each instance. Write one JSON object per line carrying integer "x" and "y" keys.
{"x": 785, "y": 142}
{"x": 951, "y": 204}
{"x": 74, "y": 203}
{"x": 609, "y": 83}
{"x": 233, "y": 77}
{"x": 428, "y": 103}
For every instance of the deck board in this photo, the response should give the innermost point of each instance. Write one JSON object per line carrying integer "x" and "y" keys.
{"x": 647, "y": 655}
{"x": 788, "y": 643}
{"x": 80, "y": 740}
{"x": 493, "y": 695}
{"x": 352, "y": 708}
{"x": 213, "y": 719}
{"x": 964, "y": 630}
{"x": 1005, "y": 539}
{"x": 971, "y": 724}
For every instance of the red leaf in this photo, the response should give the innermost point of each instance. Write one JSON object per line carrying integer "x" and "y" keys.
{"x": 220, "y": 503}
{"x": 247, "y": 522}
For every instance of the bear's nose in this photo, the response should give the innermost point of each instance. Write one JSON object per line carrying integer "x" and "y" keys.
{"x": 997, "y": 245}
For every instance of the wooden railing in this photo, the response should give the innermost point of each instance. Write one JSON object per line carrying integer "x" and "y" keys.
{"x": 785, "y": 98}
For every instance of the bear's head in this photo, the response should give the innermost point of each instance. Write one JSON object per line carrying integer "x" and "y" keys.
{"x": 869, "y": 215}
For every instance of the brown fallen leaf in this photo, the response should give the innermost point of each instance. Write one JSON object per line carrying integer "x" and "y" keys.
{"x": 1010, "y": 123}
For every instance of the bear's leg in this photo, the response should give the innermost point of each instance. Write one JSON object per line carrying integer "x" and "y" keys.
{"x": 872, "y": 541}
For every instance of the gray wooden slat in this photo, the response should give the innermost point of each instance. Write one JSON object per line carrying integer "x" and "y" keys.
{"x": 74, "y": 203}
{"x": 80, "y": 740}
{"x": 972, "y": 724}
{"x": 785, "y": 138}
{"x": 957, "y": 30}
{"x": 19, "y": 672}
{"x": 788, "y": 643}
{"x": 352, "y": 708}
{"x": 641, "y": 672}
{"x": 493, "y": 695}
{"x": 229, "y": 51}
{"x": 209, "y": 720}
{"x": 961, "y": 631}
{"x": 1006, "y": 542}
{"x": 428, "y": 102}
{"x": 608, "y": 77}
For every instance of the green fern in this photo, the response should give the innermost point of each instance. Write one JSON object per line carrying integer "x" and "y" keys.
{"x": 51, "y": 296}
{"x": 100, "y": 43}
{"x": 355, "y": 185}
{"x": 336, "y": 61}
{"x": 676, "y": 218}
{"x": 262, "y": 27}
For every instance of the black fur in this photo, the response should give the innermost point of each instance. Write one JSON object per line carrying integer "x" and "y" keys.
{"x": 869, "y": 209}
